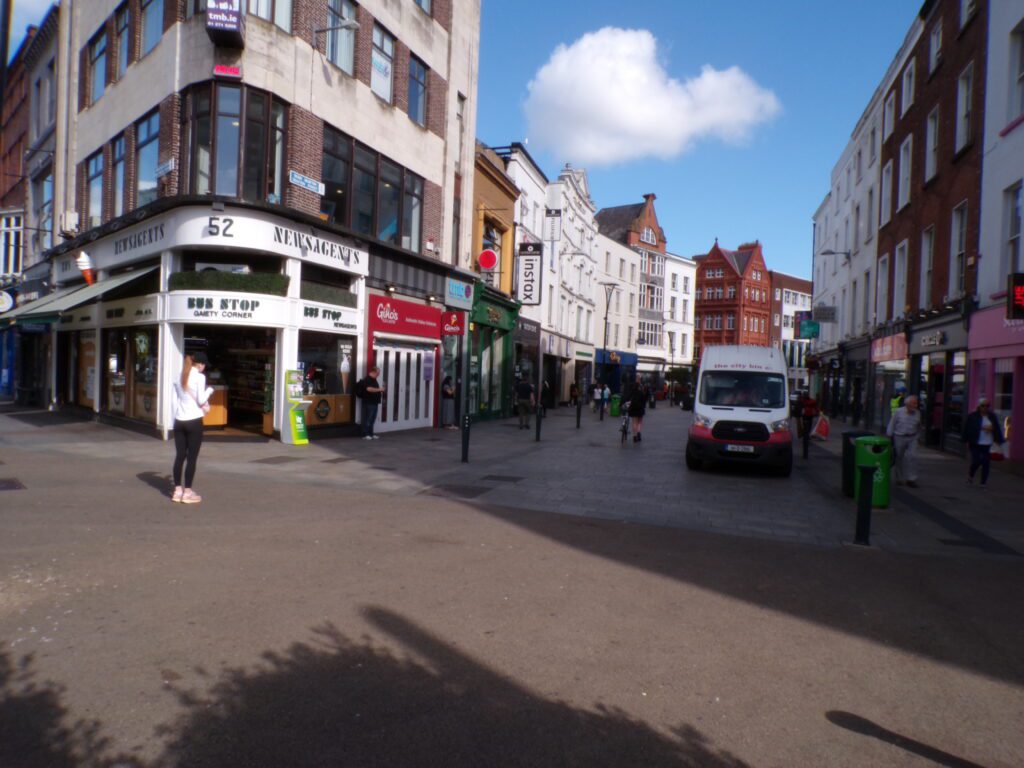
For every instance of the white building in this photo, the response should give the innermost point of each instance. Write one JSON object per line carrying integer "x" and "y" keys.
{"x": 618, "y": 279}
{"x": 680, "y": 281}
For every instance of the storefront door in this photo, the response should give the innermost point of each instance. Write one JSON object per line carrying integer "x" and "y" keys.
{"x": 408, "y": 374}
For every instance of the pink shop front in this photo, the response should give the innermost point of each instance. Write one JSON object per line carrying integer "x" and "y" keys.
{"x": 997, "y": 371}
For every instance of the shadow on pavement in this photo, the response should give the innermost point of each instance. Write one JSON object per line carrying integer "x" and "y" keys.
{"x": 865, "y": 727}
{"x": 157, "y": 482}
{"x": 34, "y": 732}
{"x": 339, "y": 702}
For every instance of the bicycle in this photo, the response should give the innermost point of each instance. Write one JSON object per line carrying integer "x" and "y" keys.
{"x": 625, "y": 427}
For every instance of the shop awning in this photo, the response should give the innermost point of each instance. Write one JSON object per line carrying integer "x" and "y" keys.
{"x": 84, "y": 295}
{"x": 40, "y": 306}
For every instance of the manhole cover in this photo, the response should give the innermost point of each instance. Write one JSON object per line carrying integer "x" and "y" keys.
{"x": 457, "y": 491}
{"x": 10, "y": 484}
{"x": 277, "y": 460}
{"x": 502, "y": 478}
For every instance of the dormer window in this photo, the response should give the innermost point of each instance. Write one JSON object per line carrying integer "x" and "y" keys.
{"x": 648, "y": 236}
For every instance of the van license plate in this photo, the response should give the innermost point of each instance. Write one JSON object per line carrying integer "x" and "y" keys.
{"x": 740, "y": 448}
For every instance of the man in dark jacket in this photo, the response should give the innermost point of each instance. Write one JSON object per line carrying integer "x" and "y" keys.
{"x": 981, "y": 432}
{"x": 369, "y": 391}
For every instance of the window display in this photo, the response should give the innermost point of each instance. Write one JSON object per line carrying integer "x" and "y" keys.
{"x": 328, "y": 366}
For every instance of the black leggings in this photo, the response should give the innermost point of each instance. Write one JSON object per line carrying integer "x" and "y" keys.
{"x": 188, "y": 439}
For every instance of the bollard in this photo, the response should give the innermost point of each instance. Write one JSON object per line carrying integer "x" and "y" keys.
{"x": 465, "y": 439}
{"x": 540, "y": 415}
{"x": 862, "y": 535}
{"x": 579, "y": 412}
{"x": 807, "y": 436}
{"x": 600, "y": 408}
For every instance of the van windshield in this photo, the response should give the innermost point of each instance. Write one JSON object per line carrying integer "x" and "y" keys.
{"x": 748, "y": 389}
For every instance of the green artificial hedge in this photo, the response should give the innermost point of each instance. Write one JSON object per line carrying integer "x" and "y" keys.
{"x": 327, "y": 294}
{"x": 257, "y": 282}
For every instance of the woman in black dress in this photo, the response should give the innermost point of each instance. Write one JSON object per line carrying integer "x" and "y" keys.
{"x": 637, "y": 409}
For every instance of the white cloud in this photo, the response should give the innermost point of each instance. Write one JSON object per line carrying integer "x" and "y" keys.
{"x": 606, "y": 99}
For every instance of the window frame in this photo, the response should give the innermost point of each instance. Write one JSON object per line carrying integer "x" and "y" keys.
{"x": 1014, "y": 212}
{"x": 95, "y": 56}
{"x": 931, "y": 145}
{"x": 379, "y": 50}
{"x": 935, "y": 47}
{"x": 964, "y": 111}
{"x": 142, "y": 144}
{"x": 907, "y": 94}
{"x": 334, "y": 48}
{"x": 421, "y": 90}
{"x": 889, "y": 116}
{"x": 958, "y": 250}
{"x": 903, "y": 188}
{"x": 94, "y": 170}
{"x": 278, "y": 13}
{"x": 118, "y": 174}
{"x": 885, "y": 201}
{"x": 145, "y": 7}
{"x": 927, "y": 267}
{"x": 122, "y": 37}
{"x": 426, "y": 6}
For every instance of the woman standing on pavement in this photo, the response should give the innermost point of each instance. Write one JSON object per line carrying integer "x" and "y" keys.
{"x": 448, "y": 403}
{"x": 191, "y": 398}
{"x": 637, "y": 409}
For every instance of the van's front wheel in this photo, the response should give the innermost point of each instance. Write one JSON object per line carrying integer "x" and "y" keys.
{"x": 692, "y": 462}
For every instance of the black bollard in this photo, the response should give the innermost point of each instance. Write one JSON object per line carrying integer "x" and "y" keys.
{"x": 465, "y": 439}
{"x": 600, "y": 408}
{"x": 862, "y": 535}
{"x": 540, "y": 415}
{"x": 807, "y": 436}
{"x": 579, "y": 412}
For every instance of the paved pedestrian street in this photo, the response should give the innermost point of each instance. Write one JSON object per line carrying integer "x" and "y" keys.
{"x": 570, "y": 602}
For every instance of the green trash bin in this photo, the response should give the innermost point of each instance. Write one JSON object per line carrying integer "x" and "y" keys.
{"x": 875, "y": 452}
{"x": 616, "y": 405}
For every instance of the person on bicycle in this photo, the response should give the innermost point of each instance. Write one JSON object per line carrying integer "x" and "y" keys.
{"x": 637, "y": 408}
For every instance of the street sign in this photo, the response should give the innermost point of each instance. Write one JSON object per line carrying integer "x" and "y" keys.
{"x": 824, "y": 314}
{"x": 1015, "y": 296}
{"x": 810, "y": 329}
{"x": 305, "y": 182}
{"x": 165, "y": 167}
{"x": 528, "y": 266}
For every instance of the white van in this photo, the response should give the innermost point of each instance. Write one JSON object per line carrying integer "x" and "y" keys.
{"x": 741, "y": 411}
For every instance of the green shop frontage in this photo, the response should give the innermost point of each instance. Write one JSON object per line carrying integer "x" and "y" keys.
{"x": 491, "y": 358}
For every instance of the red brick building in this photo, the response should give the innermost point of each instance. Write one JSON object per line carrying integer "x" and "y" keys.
{"x": 929, "y": 218}
{"x": 733, "y": 299}
{"x": 14, "y": 130}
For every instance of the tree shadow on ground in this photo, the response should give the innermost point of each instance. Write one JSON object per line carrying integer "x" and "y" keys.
{"x": 338, "y": 702}
{"x": 34, "y": 732}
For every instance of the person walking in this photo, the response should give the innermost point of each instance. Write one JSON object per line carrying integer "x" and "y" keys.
{"x": 637, "y": 408}
{"x": 595, "y": 396}
{"x": 606, "y": 396}
{"x": 191, "y": 403}
{"x": 574, "y": 394}
{"x": 448, "y": 404}
{"x": 904, "y": 427}
{"x": 981, "y": 432}
{"x": 525, "y": 400}
{"x": 369, "y": 391}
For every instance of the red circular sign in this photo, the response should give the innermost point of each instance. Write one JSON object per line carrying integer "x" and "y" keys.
{"x": 487, "y": 259}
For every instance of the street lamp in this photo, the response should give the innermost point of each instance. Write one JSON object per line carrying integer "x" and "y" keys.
{"x": 830, "y": 252}
{"x": 610, "y": 287}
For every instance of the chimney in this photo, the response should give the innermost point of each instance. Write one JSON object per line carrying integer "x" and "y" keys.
{"x": 650, "y": 197}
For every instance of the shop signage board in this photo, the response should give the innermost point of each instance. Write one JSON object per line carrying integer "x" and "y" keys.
{"x": 458, "y": 294}
{"x": 197, "y": 227}
{"x": 1015, "y": 296}
{"x": 296, "y": 433}
{"x": 6, "y": 301}
{"x": 79, "y": 317}
{"x": 824, "y": 314}
{"x": 810, "y": 329}
{"x": 137, "y": 311}
{"x": 223, "y": 307}
{"x": 453, "y": 323}
{"x": 889, "y": 348}
{"x": 936, "y": 339}
{"x": 528, "y": 273}
{"x": 225, "y": 23}
{"x": 494, "y": 315}
{"x": 305, "y": 182}
{"x": 328, "y": 317}
{"x": 391, "y": 315}
{"x": 552, "y": 223}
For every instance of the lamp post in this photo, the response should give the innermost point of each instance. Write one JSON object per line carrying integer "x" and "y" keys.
{"x": 610, "y": 287}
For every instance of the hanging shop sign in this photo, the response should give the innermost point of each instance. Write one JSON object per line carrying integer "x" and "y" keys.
{"x": 487, "y": 260}
{"x": 6, "y": 301}
{"x": 824, "y": 314}
{"x": 453, "y": 323}
{"x": 195, "y": 227}
{"x": 458, "y": 294}
{"x": 552, "y": 223}
{"x": 386, "y": 314}
{"x": 889, "y": 348}
{"x": 1015, "y": 296}
{"x": 494, "y": 315}
{"x": 528, "y": 273}
{"x": 225, "y": 23}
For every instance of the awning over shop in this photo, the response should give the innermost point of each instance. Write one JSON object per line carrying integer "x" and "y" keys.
{"x": 39, "y": 306}
{"x": 79, "y": 296}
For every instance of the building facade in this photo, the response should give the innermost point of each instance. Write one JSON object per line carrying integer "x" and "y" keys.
{"x": 618, "y": 313}
{"x": 680, "y": 285}
{"x": 790, "y": 295}
{"x": 291, "y": 193}
{"x": 733, "y": 302}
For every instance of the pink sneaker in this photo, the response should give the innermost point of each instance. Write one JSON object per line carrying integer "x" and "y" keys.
{"x": 191, "y": 497}
{"x": 178, "y": 492}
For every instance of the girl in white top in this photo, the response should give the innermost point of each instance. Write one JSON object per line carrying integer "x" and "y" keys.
{"x": 191, "y": 397}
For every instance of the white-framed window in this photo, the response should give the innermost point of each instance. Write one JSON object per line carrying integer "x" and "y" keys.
{"x": 672, "y": 304}
{"x": 854, "y": 328}
{"x": 931, "y": 145}
{"x": 632, "y": 303}
{"x": 277, "y": 11}
{"x": 632, "y": 273}
{"x": 1017, "y": 71}
{"x": 675, "y": 282}
{"x": 615, "y": 335}
{"x": 731, "y": 292}
{"x": 958, "y": 251}
{"x": 745, "y": 323}
{"x": 1014, "y": 262}
{"x": 425, "y": 5}
{"x": 849, "y": 170}
{"x": 382, "y": 63}
{"x": 886, "y": 212}
{"x": 341, "y": 43}
{"x": 686, "y": 284}
{"x": 899, "y": 289}
{"x": 867, "y": 294}
{"x": 730, "y": 322}
{"x": 906, "y": 153}
{"x": 873, "y": 145}
{"x": 629, "y": 336}
{"x": 775, "y": 320}
{"x": 648, "y": 236}
{"x": 882, "y": 290}
{"x": 889, "y": 116}
{"x": 622, "y": 269}
{"x": 778, "y": 294}
{"x": 856, "y": 228}
{"x": 869, "y": 224}
{"x": 858, "y": 163}
{"x": 924, "y": 297}
{"x": 935, "y": 46}
{"x": 964, "y": 95}
{"x": 967, "y": 8}
{"x": 685, "y": 308}
{"x": 718, "y": 322}
{"x": 907, "y": 91}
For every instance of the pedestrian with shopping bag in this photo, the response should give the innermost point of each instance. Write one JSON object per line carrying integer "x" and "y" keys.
{"x": 904, "y": 427}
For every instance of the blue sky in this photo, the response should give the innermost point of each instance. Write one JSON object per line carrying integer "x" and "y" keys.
{"x": 805, "y": 70}
{"x": 820, "y": 60}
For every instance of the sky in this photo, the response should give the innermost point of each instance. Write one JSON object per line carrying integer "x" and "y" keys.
{"x": 733, "y": 112}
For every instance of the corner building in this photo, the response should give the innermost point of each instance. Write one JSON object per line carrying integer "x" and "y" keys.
{"x": 281, "y": 187}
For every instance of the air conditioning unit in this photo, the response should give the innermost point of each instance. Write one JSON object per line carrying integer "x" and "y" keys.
{"x": 238, "y": 269}
{"x": 68, "y": 224}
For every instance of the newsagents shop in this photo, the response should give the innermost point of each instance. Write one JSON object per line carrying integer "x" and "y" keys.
{"x": 268, "y": 298}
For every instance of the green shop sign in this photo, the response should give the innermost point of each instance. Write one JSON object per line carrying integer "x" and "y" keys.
{"x": 495, "y": 315}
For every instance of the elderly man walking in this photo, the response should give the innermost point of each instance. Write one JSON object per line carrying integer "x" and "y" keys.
{"x": 904, "y": 427}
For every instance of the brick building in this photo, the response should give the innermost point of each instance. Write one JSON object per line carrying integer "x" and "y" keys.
{"x": 930, "y": 212}
{"x": 790, "y": 295}
{"x": 733, "y": 302}
{"x": 315, "y": 157}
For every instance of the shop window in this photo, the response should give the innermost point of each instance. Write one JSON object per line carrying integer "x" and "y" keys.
{"x": 143, "y": 383}
{"x": 327, "y": 363}
{"x": 94, "y": 190}
{"x": 115, "y": 372}
{"x": 152, "y": 24}
{"x": 235, "y": 157}
{"x": 147, "y": 157}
